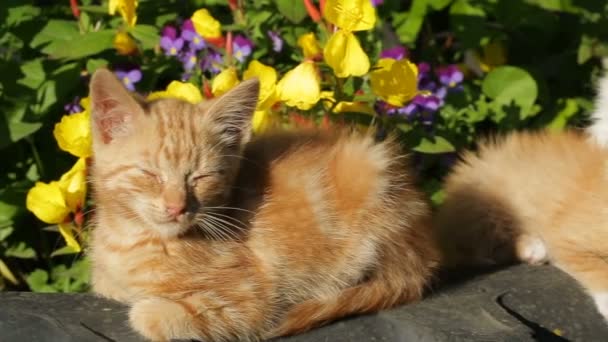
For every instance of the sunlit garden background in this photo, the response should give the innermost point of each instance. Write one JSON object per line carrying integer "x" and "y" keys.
{"x": 439, "y": 73}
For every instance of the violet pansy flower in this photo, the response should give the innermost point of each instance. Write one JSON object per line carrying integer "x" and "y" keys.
{"x": 129, "y": 77}
{"x": 170, "y": 42}
{"x": 241, "y": 48}
{"x": 397, "y": 52}
{"x": 277, "y": 42}
{"x": 189, "y": 34}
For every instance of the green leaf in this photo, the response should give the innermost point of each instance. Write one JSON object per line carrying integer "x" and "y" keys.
{"x": 95, "y": 63}
{"x": 438, "y": 5}
{"x": 20, "y": 250}
{"x": 37, "y": 281}
{"x": 20, "y": 130}
{"x": 33, "y": 72}
{"x": 55, "y": 30}
{"x": 468, "y": 22}
{"x": 64, "y": 251}
{"x": 409, "y": 28}
{"x": 6, "y": 273}
{"x": 5, "y": 232}
{"x": 292, "y": 10}
{"x": 439, "y": 145}
{"x": 507, "y": 84}
{"x": 570, "y": 108}
{"x": 17, "y": 15}
{"x": 81, "y": 46}
{"x": 147, "y": 35}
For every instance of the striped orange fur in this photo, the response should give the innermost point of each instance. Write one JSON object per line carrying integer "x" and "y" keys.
{"x": 209, "y": 234}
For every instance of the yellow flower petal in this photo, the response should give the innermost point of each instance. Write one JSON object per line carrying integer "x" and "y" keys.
{"x": 126, "y": 8}
{"x": 262, "y": 120}
{"x": 178, "y": 90}
{"x": 66, "y": 230}
{"x": 345, "y": 55}
{"x": 268, "y": 79}
{"x": 73, "y": 184}
{"x": 224, "y": 81}
{"x": 47, "y": 202}
{"x": 124, "y": 44}
{"x": 354, "y": 107}
{"x": 205, "y": 24}
{"x": 300, "y": 87}
{"x": 85, "y": 102}
{"x": 395, "y": 81}
{"x": 310, "y": 45}
{"x": 350, "y": 15}
{"x": 73, "y": 134}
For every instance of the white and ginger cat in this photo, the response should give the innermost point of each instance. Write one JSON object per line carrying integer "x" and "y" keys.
{"x": 207, "y": 234}
{"x": 534, "y": 197}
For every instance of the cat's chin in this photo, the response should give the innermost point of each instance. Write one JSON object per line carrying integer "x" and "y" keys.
{"x": 171, "y": 229}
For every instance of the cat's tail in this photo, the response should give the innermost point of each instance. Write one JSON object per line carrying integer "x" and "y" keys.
{"x": 598, "y": 130}
{"x": 477, "y": 225}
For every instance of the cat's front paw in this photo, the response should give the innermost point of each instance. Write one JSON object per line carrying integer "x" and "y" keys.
{"x": 601, "y": 301}
{"x": 160, "y": 319}
{"x": 531, "y": 249}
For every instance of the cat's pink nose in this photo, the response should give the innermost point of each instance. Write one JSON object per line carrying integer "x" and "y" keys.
{"x": 174, "y": 210}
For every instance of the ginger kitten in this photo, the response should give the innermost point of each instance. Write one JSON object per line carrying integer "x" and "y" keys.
{"x": 532, "y": 197}
{"x": 207, "y": 234}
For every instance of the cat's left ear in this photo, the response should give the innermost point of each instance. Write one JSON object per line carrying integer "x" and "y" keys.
{"x": 231, "y": 113}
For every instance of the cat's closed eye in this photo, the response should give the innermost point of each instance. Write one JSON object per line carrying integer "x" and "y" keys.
{"x": 151, "y": 174}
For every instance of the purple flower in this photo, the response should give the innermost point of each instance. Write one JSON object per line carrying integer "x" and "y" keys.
{"x": 74, "y": 106}
{"x": 189, "y": 34}
{"x": 129, "y": 77}
{"x": 189, "y": 60}
{"x": 212, "y": 61}
{"x": 169, "y": 41}
{"x": 397, "y": 52}
{"x": 429, "y": 103}
{"x": 241, "y": 48}
{"x": 277, "y": 42}
{"x": 450, "y": 75}
{"x": 376, "y": 3}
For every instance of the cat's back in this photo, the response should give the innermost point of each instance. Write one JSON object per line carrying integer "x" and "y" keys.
{"x": 538, "y": 161}
{"x": 329, "y": 201}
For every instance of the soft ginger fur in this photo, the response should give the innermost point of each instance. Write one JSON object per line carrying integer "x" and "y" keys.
{"x": 208, "y": 235}
{"x": 531, "y": 197}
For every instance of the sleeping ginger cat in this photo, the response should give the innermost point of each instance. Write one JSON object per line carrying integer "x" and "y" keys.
{"x": 208, "y": 235}
{"x": 533, "y": 197}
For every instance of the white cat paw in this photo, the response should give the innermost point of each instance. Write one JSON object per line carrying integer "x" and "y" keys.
{"x": 532, "y": 250}
{"x": 601, "y": 301}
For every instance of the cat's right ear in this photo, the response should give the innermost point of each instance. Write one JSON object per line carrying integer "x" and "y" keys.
{"x": 113, "y": 110}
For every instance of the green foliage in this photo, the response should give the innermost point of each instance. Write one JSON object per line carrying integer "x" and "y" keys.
{"x": 528, "y": 64}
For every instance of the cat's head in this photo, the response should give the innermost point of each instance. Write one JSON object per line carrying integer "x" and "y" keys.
{"x": 161, "y": 164}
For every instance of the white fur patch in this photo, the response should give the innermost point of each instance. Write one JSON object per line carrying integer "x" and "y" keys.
{"x": 532, "y": 250}
{"x": 599, "y": 128}
{"x": 601, "y": 301}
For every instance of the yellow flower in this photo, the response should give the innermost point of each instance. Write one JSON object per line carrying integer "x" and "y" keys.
{"x": 300, "y": 87}
{"x": 350, "y": 15}
{"x": 494, "y": 55}
{"x": 268, "y": 79}
{"x": 124, "y": 44}
{"x": 73, "y": 185}
{"x": 224, "y": 81}
{"x": 178, "y": 90}
{"x": 205, "y": 24}
{"x": 73, "y": 134}
{"x": 345, "y": 55}
{"x": 85, "y": 102}
{"x": 346, "y": 106}
{"x": 67, "y": 231}
{"x": 262, "y": 120}
{"x": 395, "y": 81}
{"x": 310, "y": 45}
{"x": 126, "y": 8}
{"x": 47, "y": 202}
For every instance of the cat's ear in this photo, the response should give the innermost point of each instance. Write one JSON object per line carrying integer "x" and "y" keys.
{"x": 231, "y": 113}
{"x": 113, "y": 109}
